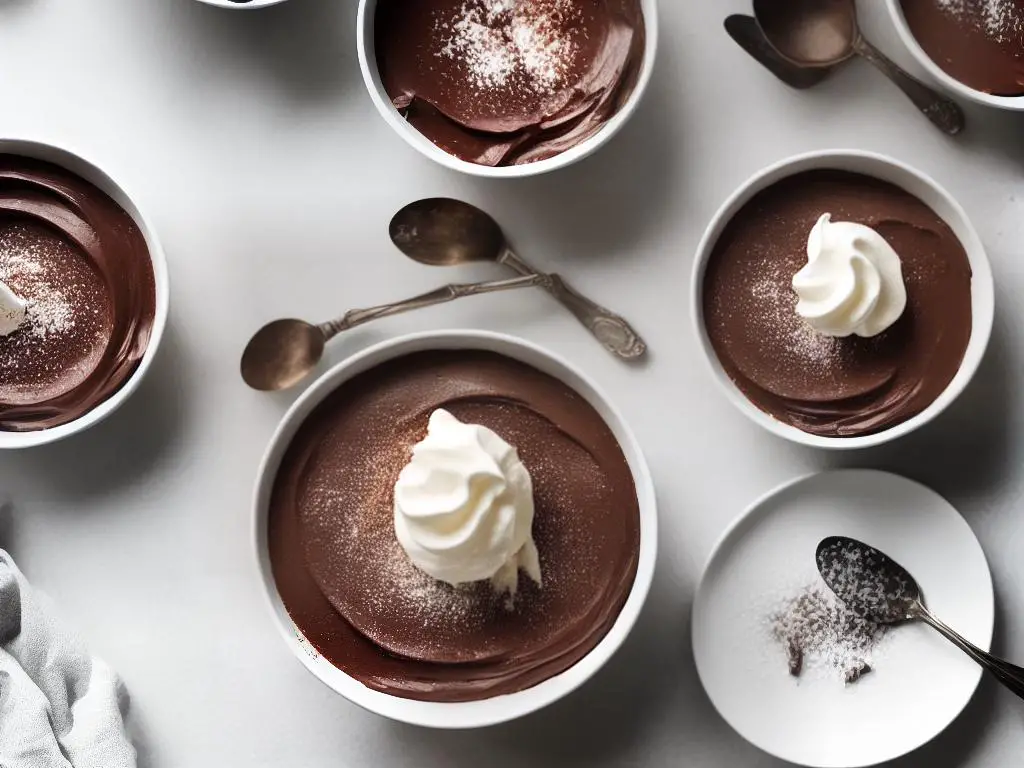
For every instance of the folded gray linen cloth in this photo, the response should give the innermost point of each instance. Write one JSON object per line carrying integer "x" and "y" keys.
{"x": 59, "y": 706}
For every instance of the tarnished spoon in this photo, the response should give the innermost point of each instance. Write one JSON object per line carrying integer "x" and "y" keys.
{"x": 823, "y": 33}
{"x": 444, "y": 232}
{"x": 284, "y": 352}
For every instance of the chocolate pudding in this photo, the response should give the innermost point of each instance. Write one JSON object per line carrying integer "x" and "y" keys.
{"x": 826, "y": 385}
{"x": 355, "y": 595}
{"x": 507, "y": 82}
{"x": 979, "y": 42}
{"x": 82, "y": 265}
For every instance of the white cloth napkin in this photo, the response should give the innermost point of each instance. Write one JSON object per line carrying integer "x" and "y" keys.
{"x": 59, "y": 706}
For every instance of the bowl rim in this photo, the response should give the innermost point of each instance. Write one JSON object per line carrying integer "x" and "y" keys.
{"x": 77, "y": 163}
{"x": 497, "y": 709}
{"x": 371, "y": 78}
{"x": 1012, "y": 103}
{"x": 252, "y": 5}
{"x": 895, "y": 172}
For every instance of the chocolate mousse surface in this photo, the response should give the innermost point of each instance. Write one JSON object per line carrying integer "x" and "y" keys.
{"x": 506, "y": 82}
{"x": 351, "y": 589}
{"x": 979, "y": 42}
{"x": 83, "y": 266}
{"x": 837, "y": 387}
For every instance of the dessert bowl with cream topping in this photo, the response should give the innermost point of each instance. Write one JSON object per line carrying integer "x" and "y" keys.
{"x": 83, "y": 294}
{"x": 454, "y": 529}
{"x": 842, "y": 299}
{"x": 506, "y": 88}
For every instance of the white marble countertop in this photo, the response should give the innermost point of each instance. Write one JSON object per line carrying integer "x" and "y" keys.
{"x": 250, "y": 140}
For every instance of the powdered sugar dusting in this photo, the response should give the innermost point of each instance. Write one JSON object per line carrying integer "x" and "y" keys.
{"x": 354, "y": 556}
{"x": 66, "y": 320}
{"x": 821, "y": 635}
{"x": 47, "y": 309}
{"x": 506, "y": 43}
{"x": 367, "y": 536}
{"x": 1001, "y": 20}
{"x": 360, "y": 564}
{"x": 773, "y": 295}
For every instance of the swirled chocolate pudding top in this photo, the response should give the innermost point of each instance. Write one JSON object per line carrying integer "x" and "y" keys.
{"x": 82, "y": 268}
{"x": 505, "y": 82}
{"x": 828, "y": 385}
{"x": 979, "y": 42}
{"x": 356, "y": 596}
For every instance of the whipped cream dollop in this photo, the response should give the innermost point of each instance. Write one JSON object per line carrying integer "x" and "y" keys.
{"x": 464, "y": 507}
{"x": 12, "y": 310}
{"x": 853, "y": 280}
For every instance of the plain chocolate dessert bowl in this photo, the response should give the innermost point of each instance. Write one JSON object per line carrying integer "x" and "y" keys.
{"x": 842, "y": 299}
{"x": 506, "y": 88}
{"x": 378, "y": 513}
{"x": 975, "y": 48}
{"x": 83, "y": 294}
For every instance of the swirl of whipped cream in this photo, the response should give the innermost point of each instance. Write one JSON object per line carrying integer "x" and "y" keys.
{"x": 853, "y": 280}
{"x": 464, "y": 507}
{"x": 12, "y": 310}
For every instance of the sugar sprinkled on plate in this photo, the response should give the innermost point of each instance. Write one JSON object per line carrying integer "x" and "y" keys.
{"x": 818, "y": 632}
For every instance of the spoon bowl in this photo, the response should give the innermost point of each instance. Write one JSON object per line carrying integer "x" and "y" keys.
{"x": 747, "y": 34}
{"x": 810, "y": 33}
{"x": 281, "y": 354}
{"x": 441, "y": 232}
{"x": 823, "y": 33}
{"x": 868, "y": 582}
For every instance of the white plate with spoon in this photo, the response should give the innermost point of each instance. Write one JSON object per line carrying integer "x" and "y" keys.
{"x": 762, "y": 611}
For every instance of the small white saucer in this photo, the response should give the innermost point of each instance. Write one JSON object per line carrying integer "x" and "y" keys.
{"x": 919, "y": 682}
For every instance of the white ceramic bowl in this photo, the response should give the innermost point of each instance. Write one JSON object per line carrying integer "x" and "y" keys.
{"x": 948, "y": 81}
{"x": 917, "y": 184}
{"x": 91, "y": 173}
{"x": 371, "y": 76}
{"x": 250, "y": 6}
{"x": 499, "y": 708}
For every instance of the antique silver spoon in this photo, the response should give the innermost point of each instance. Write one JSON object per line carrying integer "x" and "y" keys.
{"x": 873, "y": 585}
{"x": 444, "y": 232}
{"x": 284, "y": 352}
{"x": 823, "y": 33}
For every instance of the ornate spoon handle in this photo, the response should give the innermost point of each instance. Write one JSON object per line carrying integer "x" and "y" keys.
{"x": 614, "y": 333}
{"x": 446, "y": 293}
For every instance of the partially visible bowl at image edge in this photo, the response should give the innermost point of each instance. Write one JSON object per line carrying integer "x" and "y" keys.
{"x": 950, "y": 83}
{"x": 78, "y": 165}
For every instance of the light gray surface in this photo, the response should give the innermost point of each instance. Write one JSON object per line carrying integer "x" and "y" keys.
{"x": 249, "y": 139}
